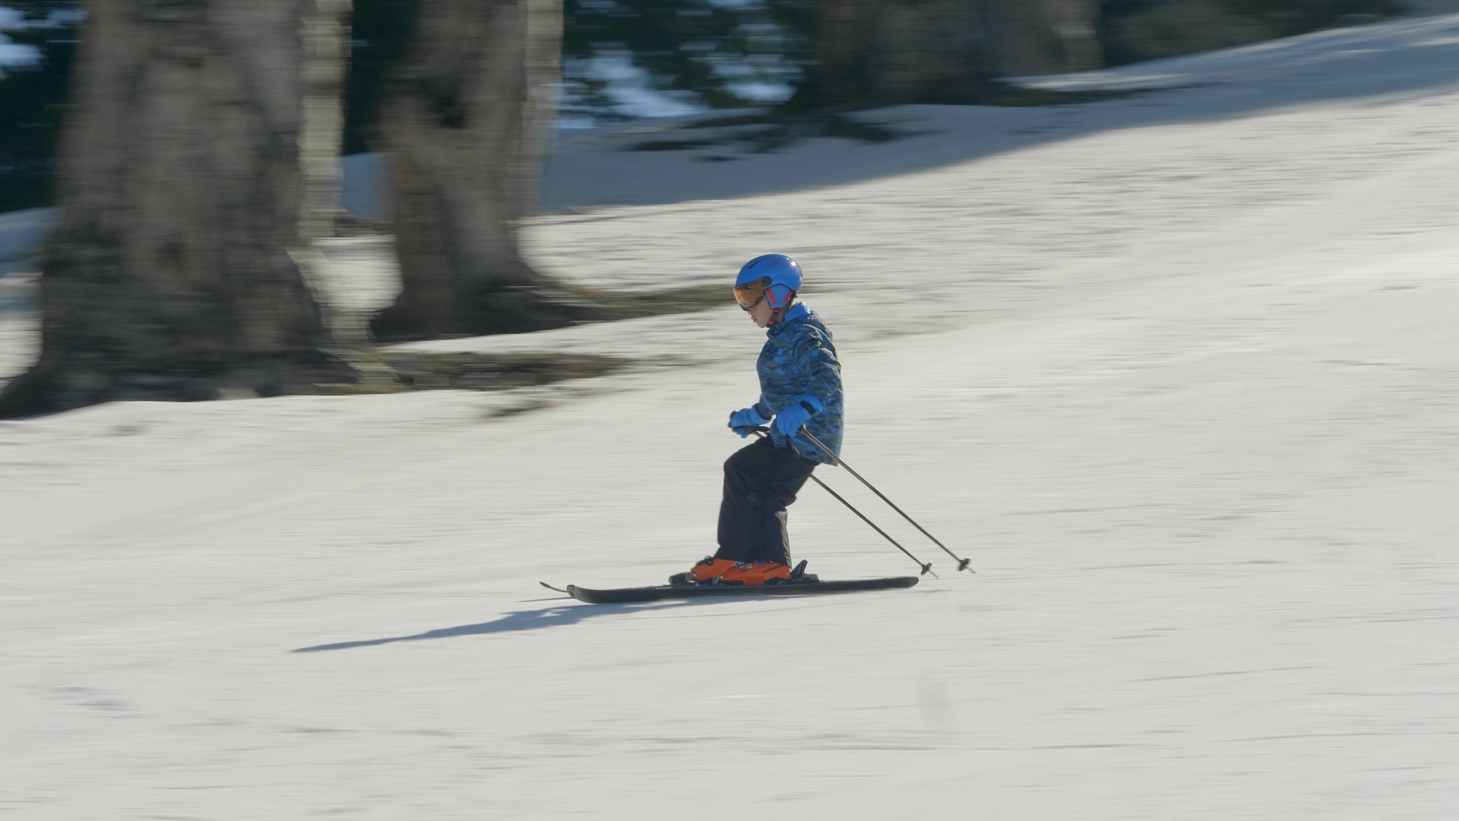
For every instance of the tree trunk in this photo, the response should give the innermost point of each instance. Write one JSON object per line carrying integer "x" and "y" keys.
{"x": 182, "y": 196}
{"x": 884, "y": 52}
{"x": 1043, "y": 36}
{"x": 465, "y": 126}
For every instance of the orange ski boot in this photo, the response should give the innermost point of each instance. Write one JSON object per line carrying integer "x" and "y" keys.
{"x": 752, "y": 574}
{"x": 706, "y": 571}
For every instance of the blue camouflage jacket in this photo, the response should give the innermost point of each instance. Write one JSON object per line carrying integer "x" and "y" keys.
{"x": 799, "y": 359}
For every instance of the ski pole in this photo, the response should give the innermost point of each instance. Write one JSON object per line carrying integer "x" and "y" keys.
{"x": 926, "y": 566}
{"x": 962, "y": 564}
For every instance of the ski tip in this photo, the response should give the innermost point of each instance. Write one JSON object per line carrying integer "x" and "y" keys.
{"x": 554, "y": 588}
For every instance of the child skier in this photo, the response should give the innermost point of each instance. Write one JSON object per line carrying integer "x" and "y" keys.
{"x": 800, "y": 389}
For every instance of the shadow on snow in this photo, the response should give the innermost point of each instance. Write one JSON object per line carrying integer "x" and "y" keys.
{"x": 516, "y": 621}
{"x": 1382, "y": 63}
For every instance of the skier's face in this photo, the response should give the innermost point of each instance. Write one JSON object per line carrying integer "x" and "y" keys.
{"x": 762, "y": 313}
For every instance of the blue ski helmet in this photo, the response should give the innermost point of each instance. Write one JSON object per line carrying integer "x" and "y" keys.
{"x": 775, "y": 276}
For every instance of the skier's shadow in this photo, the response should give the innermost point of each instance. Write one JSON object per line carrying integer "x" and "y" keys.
{"x": 517, "y": 620}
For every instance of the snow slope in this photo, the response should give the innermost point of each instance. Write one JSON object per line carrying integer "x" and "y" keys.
{"x": 1180, "y": 372}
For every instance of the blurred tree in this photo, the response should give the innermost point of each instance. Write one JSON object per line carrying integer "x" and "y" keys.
{"x": 702, "y": 51}
{"x": 880, "y": 52}
{"x": 1135, "y": 30}
{"x": 1043, "y": 36}
{"x": 35, "y": 95}
{"x": 202, "y": 130}
{"x": 710, "y": 52}
{"x": 464, "y": 126}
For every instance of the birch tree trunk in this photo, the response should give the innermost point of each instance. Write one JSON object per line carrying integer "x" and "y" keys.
{"x": 465, "y": 126}
{"x": 182, "y": 195}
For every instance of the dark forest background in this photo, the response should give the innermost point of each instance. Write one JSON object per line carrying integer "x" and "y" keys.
{"x": 695, "y": 51}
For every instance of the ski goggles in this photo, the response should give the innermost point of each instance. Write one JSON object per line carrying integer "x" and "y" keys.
{"x": 750, "y": 294}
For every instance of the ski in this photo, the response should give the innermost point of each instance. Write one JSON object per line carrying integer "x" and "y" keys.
{"x": 634, "y": 595}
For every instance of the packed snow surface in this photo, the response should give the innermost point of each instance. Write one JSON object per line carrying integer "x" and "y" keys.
{"x": 1179, "y": 371}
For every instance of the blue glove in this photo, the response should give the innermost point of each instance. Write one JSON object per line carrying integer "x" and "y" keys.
{"x": 745, "y": 420}
{"x": 793, "y": 417}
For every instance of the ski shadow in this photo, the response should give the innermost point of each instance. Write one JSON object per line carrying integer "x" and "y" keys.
{"x": 514, "y": 622}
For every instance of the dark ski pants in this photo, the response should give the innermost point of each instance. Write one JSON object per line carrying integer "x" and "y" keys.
{"x": 760, "y": 481}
